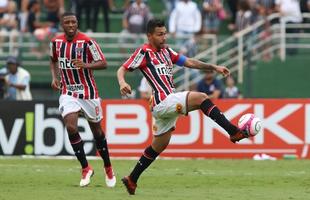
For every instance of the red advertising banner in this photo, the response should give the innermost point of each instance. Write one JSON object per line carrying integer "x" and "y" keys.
{"x": 286, "y": 129}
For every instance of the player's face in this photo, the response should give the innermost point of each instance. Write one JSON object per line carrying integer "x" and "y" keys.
{"x": 12, "y": 68}
{"x": 158, "y": 37}
{"x": 69, "y": 24}
{"x": 209, "y": 75}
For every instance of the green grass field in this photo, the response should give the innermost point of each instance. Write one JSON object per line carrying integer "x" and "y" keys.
{"x": 32, "y": 179}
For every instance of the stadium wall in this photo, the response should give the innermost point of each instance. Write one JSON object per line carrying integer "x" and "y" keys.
{"x": 35, "y": 128}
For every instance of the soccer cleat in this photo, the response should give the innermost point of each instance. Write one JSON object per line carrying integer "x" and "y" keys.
{"x": 87, "y": 173}
{"x": 241, "y": 134}
{"x": 130, "y": 185}
{"x": 110, "y": 179}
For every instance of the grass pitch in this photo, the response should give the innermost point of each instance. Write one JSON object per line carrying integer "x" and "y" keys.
{"x": 32, "y": 179}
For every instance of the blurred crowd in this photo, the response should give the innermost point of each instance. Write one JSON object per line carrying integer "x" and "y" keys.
{"x": 186, "y": 21}
{"x": 184, "y": 16}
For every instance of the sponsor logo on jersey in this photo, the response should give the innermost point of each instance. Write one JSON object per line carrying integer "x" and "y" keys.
{"x": 162, "y": 69}
{"x": 64, "y": 63}
{"x": 77, "y": 87}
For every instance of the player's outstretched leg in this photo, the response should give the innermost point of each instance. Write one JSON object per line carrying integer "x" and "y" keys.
{"x": 216, "y": 115}
{"x": 198, "y": 100}
{"x": 103, "y": 150}
{"x": 159, "y": 144}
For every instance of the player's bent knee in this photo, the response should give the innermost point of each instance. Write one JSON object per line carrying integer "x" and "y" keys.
{"x": 204, "y": 96}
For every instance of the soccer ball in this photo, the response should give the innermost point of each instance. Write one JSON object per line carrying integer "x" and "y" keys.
{"x": 250, "y": 123}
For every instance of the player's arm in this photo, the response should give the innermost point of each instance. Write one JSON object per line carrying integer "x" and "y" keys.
{"x": 134, "y": 61}
{"x": 54, "y": 71}
{"x": 100, "y": 64}
{"x": 54, "y": 68}
{"x": 124, "y": 86}
{"x": 197, "y": 64}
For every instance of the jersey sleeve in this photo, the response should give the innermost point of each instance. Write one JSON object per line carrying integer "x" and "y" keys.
{"x": 53, "y": 51}
{"x": 176, "y": 58}
{"x": 95, "y": 51}
{"x": 136, "y": 60}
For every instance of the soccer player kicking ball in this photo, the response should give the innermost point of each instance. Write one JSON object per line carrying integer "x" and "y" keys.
{"x": 155, "y": 60}
{"x": 74, "y": 56}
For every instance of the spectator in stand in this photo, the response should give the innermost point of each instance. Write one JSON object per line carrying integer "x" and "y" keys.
{"x": 3, "y": 73}
{"x": 80, "y": 7}
{"x": 17, "y": 81}
{"x": 304, "y": 6}
{"x": 134, "y": 22}
{"x": 40, "y": 30}
{"x": 185, "y": 20}
{"x": 211, "y": 9}
{"x": 290, "y": 14}
{"x": 231, "y": 91}
{"x": 33, "y": 21}
{"x": 190, "y": 49}
{"x": 233, "y": 7}
{"x": 3, "y": 7}
{"x": 23, "y": 14}
{"x": 9, "y": 24}
{"x": 169, "y": 5}
{"x": 244, "y": 16}
{"x": 254, "y": 7}
{"x": 265, "y": 7}
{"x": 210, "y": 85}
{"x": 54, "y": 9}
{"x": 135, "y": 17}
{"x": 244, "y": 19}
{"x": 104, "y": 4}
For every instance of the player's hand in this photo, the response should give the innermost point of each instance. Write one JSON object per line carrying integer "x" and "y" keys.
{"x": 56, "y": 84}
{"x": 125, "y": 89}
{"x": 222, "y": 70}
{"x": 78, "y": 63}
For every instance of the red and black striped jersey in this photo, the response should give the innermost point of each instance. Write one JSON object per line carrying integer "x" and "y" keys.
{"x": 79, "y": 83}
{"x": 157, "y": 68}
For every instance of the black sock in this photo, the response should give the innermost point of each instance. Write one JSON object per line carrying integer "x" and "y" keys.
{"x": 146, "y": 159}
{"x": 102, "y": 147}
{"x": 216, "y": 115}
{"x": 77, "y": 145}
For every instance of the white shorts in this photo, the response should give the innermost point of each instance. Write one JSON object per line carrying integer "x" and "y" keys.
{"x": 167, "y": 112}
{"x": 91, "y": 108}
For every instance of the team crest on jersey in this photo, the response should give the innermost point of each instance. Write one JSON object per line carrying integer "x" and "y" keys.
{"x": 179, "y": 108}
{"x": 79, "y": 50}
{"x": 155, "y": 128}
